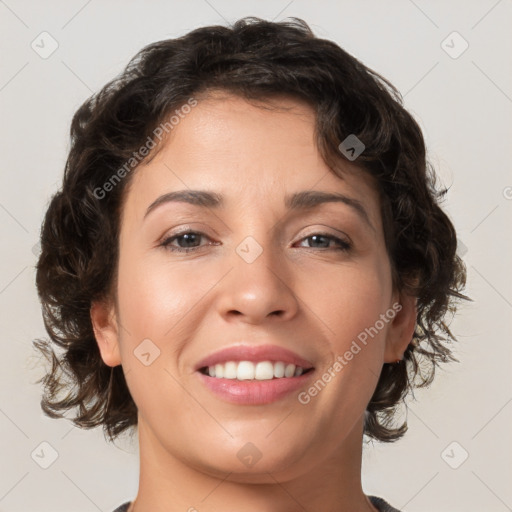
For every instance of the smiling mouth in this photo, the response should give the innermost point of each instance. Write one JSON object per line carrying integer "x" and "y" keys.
{"x": 249, "y": 371}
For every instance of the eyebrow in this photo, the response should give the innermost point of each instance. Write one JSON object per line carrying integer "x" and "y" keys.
{"x": 304, "y": 200}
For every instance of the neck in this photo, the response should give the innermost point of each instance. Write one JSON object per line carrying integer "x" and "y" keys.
{"x": 169, "y": 484}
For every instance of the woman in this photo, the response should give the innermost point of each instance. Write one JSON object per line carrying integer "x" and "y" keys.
{"x": 246, "y": 263}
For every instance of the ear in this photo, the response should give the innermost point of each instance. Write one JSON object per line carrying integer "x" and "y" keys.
{"x": 401, "y": 328}
{"x": 104, "y": 324}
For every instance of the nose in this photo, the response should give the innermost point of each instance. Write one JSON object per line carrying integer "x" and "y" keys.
{"x": 256, "y": 291}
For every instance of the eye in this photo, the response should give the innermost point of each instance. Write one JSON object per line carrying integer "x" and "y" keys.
{"x": 192, "y": 238}
{"x": 189, "y": 238}
{"x": 324, "y": 238}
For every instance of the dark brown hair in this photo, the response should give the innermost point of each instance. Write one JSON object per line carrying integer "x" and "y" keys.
{"x": 255, "y": 59}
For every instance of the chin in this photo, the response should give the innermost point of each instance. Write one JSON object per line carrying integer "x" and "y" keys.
{"x": 250, "y": 464}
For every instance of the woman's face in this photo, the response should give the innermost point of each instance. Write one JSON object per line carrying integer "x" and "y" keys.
{"x": 314, "y": 280}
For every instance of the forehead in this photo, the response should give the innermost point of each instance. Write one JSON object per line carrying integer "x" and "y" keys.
{"x": 224, "y": 126}
{"x": 250, "y": 152}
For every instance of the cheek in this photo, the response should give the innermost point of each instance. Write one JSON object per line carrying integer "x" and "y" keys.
{"x": 350, "y": 298}
{"x": 153, "y": 304}
{"x": 154, "y": 297}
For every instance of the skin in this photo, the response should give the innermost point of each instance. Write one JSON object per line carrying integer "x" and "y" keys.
{"x": 191, "y": 304}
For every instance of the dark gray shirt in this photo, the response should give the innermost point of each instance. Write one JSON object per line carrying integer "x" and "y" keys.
{"x": 380, "y": 504}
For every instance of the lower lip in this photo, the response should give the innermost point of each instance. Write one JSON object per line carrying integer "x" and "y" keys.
{"x": 254, "y": 392}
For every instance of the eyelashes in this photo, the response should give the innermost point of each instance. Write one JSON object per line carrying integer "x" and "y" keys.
{"x": 191, "y": 236}
{"x": 188, "y": 235}
{"x": 343, "y": 245}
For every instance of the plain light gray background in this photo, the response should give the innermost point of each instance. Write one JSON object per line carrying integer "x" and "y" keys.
{"x": 463, "y": 102}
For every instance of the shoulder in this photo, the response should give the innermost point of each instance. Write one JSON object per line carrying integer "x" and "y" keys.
{"x": 381, "y": 504}
{"x": 123, "y": 507}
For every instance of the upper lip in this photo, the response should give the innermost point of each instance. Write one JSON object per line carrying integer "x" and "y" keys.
{"x": 254, "y": 353}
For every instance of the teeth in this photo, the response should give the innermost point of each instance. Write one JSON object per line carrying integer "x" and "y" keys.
{"x": 230, "y": 370}
{"x": 247, "y": 370}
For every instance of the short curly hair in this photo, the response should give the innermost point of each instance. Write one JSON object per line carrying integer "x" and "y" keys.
{"x": 254, "y": 59}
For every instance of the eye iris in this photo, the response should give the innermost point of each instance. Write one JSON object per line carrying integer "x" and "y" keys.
{"x": 316, "y": 237}
{"x": 188, "y": 237}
